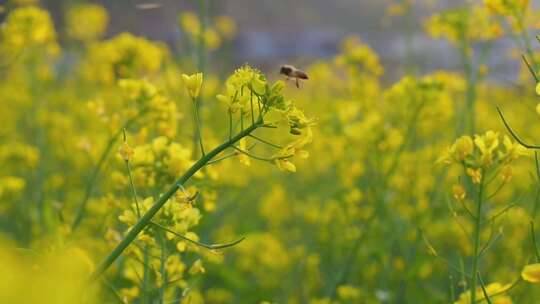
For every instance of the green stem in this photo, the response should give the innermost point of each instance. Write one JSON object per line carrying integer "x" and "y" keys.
{"x": 477, "y": 228}
{"x": 535, "y": 246}
{"x": 133, "y": 191}
{"x": 147, "y": 217}
{"x": 201, "y": 65}
{"x": 198, "y": 132}
{"x": 90, "y": 185}
{"x": 207, "y": 246}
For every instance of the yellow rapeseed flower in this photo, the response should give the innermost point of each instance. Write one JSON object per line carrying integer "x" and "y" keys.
{"x": 226, "y": 26}
{"x": 87, "y": 22}
{"x": 475, "y": 174}
{"x": 190, "y": 23}
{"x": 193, "y": 84}
{"x": 126, "y": 152}
{"x": 531, "y": 273}
{"x": 462, "y": 148}
{"x": 459, "y": 192}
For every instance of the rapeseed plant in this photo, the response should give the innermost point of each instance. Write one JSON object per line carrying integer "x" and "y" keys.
{"x": 403, "y": 192}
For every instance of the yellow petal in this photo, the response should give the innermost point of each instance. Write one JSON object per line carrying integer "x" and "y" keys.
{"x": 531, "y": 273}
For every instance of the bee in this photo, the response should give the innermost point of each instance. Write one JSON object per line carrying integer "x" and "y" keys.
{"x": 292, "y": 72}
{"x": 148, "y": 6}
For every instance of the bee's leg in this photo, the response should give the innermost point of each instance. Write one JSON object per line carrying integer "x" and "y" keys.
{"x": 297, "y": 83}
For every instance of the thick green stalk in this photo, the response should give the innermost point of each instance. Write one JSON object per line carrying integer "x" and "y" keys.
{"x": 477, "y": 228}
{"x": 146, "y": 219}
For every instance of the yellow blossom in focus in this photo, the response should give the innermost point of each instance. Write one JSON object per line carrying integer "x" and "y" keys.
{"x": 126, "y": 152}
{"x": 462, "y": 148}
{"x": 193, "y": 84}
{"x": 513, "y": 150}
{"x": 475, "y": 174}
{"x": 487, "y": 143}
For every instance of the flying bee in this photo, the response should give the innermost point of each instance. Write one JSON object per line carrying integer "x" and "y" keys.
{"x": 148, "y": 6}
{"x": 292, "y": 72}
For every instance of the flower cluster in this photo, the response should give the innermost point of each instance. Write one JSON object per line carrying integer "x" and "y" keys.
{"x": 464, "y": 24}
{"x": 124, "y": 56}
{"x": 86, "y": 22}
{"x": 223, "y": 27}
{"x": 29, "y": 27}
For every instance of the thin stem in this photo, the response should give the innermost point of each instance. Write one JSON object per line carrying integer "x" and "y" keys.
{"x": 251, "y": 101}
{"x": 477, "y": 228}
{"x": 230, "y": 124}
{"x": 252, "y": 155}
{"x": 207, "y": 246}
{"x": 201, "y": 67}
{"x": 452, "y": 292}
{"x": 199, "y": 127}
{"x": 93, "y": 177}
{"x": 486, "y": 296}
{"x": 492, "y": 195}
{"x": 531, "y": 69}
{"x": 131, "y": 184}
{"x": 503, "y": 211}
{"x": 217, "y": 160}
{"x": 537, "y": 166}
{"x": 489, "y": 242}
{"x": 144, "y": 221}
{"x": 133, "y": 191}
{"x": 265, "y": 141}
{"x": 535, "y": 246}
{"x": 514, "y": 135}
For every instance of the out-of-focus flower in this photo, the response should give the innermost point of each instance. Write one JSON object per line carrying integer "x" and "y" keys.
{"x": 459, "y": 192}
{"x": 28, "y": 27}
{"x": 226, "y": 26}
{"x": 86, "y": 22}
{"x": 531, "y": 273}
{"x": 190, "y": 23}
{"x": 193, "y": 84}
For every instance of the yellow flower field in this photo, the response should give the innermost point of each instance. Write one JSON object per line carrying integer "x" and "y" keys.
{"x": 132, "y": 173}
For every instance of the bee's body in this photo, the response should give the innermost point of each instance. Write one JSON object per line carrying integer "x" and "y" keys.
{"x": 292, "y": 72}
{"x": 148, "y": 6}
